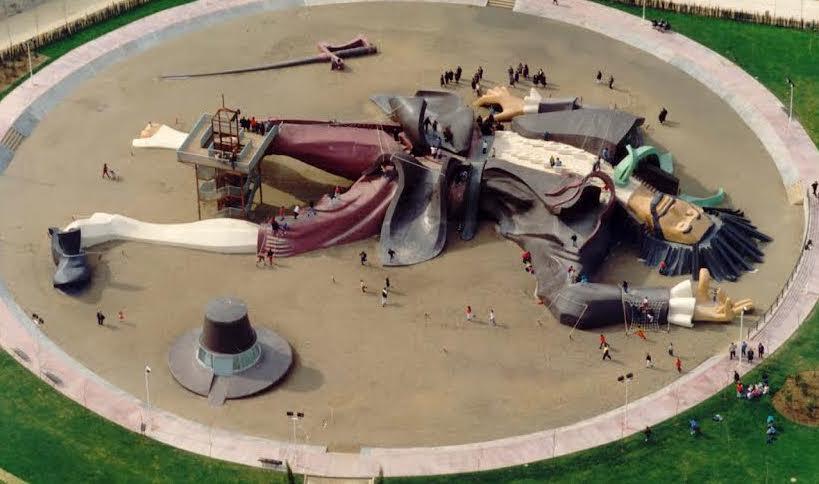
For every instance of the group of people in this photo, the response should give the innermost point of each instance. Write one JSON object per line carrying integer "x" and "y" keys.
{"x": 752, "y": 391}
{"x": 451, "y": 76}
{"x": 470, "y": 316}
{"x": 488, "y": 125}
{"x": 662, "y": 25}
{"x": 108, "y": 172}
{"x": 599, "y": 79}
{"x": 522, "y": 72}
{"x": 476, "y": 81}
{"x": 649, "y": 362}
{"x": 746, "y": 351}
{"x": 254, "y": 126}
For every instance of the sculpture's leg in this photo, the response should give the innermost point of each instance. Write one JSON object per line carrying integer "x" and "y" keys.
{"x": 353, "y": 215}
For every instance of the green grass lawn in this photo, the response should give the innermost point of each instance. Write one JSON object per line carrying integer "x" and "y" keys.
{"x": 731, "y": 451}
{"x": 45, "y": 437}
{"x": 61, "y": 47}
{"x": 767, "y": 53}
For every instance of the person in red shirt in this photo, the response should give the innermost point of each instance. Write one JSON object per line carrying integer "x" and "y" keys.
{"x": 603, "y": 341}
{"x": 678, "y": 364}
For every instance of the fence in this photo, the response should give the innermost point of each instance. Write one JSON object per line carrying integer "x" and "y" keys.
{"x": 724, "y": 13}
{"x": 19, "y": 51}
{"x": 802, "y": 269}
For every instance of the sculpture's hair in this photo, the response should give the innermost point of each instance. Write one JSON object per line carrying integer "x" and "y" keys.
{"x": 728, "y": 248}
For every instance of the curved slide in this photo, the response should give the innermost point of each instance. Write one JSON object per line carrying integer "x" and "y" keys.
{"x": 415, "y": 227}
{"x": 223, "y": 235}
{"x": 353, "y": 215}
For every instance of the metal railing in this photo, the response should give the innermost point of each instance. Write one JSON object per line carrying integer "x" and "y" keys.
{"x": 801, "y": 269}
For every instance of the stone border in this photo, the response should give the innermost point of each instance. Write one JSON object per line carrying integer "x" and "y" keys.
{"x": 794, "y": 153}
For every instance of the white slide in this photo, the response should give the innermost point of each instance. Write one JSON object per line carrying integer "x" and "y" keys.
{"x": 223, "y": 235}
{"x": 159, "y": 136}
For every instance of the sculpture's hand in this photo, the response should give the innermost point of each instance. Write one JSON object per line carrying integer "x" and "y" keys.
{"x": 723, "y": 309}
{"x": 499, "y": 96}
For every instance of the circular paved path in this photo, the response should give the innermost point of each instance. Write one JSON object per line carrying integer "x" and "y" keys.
{"x": 794, "y": 153}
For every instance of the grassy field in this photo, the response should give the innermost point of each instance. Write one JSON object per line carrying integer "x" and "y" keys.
{"x": 730, "y": 451}
{"x": 767, "y": 53}
{"x": 56, "y": 50}
{"x": 47, "y": 438}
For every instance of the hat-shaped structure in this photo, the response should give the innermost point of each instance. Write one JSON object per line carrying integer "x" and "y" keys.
{"x": 227, "y": 357}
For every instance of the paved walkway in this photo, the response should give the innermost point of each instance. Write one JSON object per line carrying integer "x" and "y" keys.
{"x": 49, "y": 15}
{"x": 794, "y": 153}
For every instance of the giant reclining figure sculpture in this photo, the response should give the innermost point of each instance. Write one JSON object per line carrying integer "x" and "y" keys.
{"x": 567, "y": 216}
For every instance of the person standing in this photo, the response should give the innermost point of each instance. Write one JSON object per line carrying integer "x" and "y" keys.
{"x": 387, "y": 283}
{"x": 670, "y": 349}
{"x": 384, "y": 294}
{"x": 603, "y": 342}
{"x": 649, "y": 363}
{"x": 270, "y": 257}
{"x": 492, "y": 321}
{"x": 750, "y": 355}
{"x": 362, "y": 256}
{"x": 736, "y": 377}
{"x": 296, "y": 211}
{"x": 625, "y": 287}
{"x": 599, "y": 77}
{"x": 760, "y": 349}
{"x": 105, "y": 172}
{"x": 363, "y": 286}
{"x": 391, "y": 254}
{"x": 732, "y": 351}
{"x": 442, "y": 80}
{"x": 662, "y": 267}
{"x": 647, "y": 433}
{"x": 743, "y": 348}
{"x": 678, "y": 365}
{"x": 574, "y": 240}
{"x": 458, "y": 72}
{"x": 611, "y": 82}
{"x": 663, "y": 115}
{"x": 814, "y": 186}
{"x": 100, "y": 318}
{"x": 606, "y": 352}
{"x": 469, "y": 314}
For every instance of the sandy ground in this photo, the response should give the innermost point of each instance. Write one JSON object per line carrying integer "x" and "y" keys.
{"x": 364, "y": 375}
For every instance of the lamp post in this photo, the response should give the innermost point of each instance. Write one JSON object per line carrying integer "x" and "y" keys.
{"x": 644, "y": 9}
{"x": 790, "y": 104}
{"x": 625, "y": 379}
{"x": 741, "y": 323}
{"x": 294, "y": 417}
{"x": 147, "y": 390}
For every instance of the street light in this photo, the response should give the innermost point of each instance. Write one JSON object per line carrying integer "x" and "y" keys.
{"x": 741, "y": 322}
{"x": 644, "y": 9}
{"x": 294, "y": 417}
{"x": 790, "y": 107}
{"x": 625, "y": 379}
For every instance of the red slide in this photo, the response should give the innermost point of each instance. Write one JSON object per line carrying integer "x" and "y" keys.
{"x": 353, "y": 215}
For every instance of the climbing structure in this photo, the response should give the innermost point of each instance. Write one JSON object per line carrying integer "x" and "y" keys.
{"x": 226, "y": 160}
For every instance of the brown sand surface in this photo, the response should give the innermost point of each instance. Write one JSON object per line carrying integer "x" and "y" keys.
{"x": 364, "y": 375}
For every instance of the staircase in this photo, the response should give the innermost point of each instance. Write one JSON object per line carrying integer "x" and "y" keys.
{"x": 12, "y": 139}
{"x": 510, "y": 4}
{"x": 280, "y": 246}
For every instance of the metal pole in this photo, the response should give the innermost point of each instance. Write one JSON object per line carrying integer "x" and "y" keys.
{"x": 625, "y": 416}
{"x": 741, "y": 322}
{"x": 790, "y": 108}
{"x": 644, "y": 9}
{"x": 147, "y": 390}
{"x": 30, "y": 70}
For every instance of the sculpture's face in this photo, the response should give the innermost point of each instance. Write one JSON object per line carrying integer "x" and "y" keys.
{"x": 679, "y": 221}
